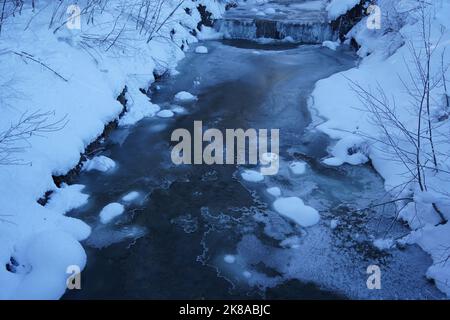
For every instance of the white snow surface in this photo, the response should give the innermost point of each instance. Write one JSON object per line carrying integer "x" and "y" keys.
{"x": 201, "y": 49}
{"x": 337, "y": 8}
{"x": 110, "y": 211}
{"x": 131, "y": 196}
{"x": 58, "y": 73}
{"x": 294, "y": 209}
{"x": 184, "y": 96}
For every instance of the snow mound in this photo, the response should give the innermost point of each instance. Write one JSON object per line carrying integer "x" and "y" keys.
{"x": 99, "y": 163}
{"x": 384, "y": 244}
{"x": 208, "y": 33}
{"x": 351, "y": 149}
{"x": 294, "y": 209}
{"x": 184, "y": 96}
{"x": 337, "y": 8}
{"x": 297, "y": 167}
{"x": 111, "y": 211}
{"x": 201, "y": 50}
{"x": 67, "y": 198}
{"x": 274, "y": 191}
{"x": 48, "y": 256}
{"x": 165, "y": 114}
{"x": 131, "y": 196}
{"x": 229, "y": 258}
{"x": 252, "y": 176}
{"x": 333, "y": 45}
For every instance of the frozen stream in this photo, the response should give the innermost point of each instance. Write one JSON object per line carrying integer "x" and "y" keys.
{"x": 201, "y": 232}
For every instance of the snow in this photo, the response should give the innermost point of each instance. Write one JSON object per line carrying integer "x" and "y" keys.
{"x": 131, "y": 196}
{"x": 42, "y": 238}
{"x": 165, "y": 114}
{"x": 252, "y": 176}
{"x": 294, "y": 209}
{"x": 269, "y": 157}
{"x": 100, "y": 163}
{"x": 184, "y": 96}
{"x": 351, "y": 149}
{"x": 297, "y": 167}
{"x": 334, "y": 223}
{"x": 110, "y": 211}
{"x": 247, "y": 274}
{"x": 49, "y": 254}
{"x": 178, "y": 109}
{"x": 333, "y": 162}
{"x": 337, "y": 8}
{"x": 208, "y": 33}
{"x": 229, "y": 258}
{"x": 332, "y": 45}
{"x": 384, "y": 244}
{"x": 310, "y": 5}
{"x": 274, "y": 191}
{"x": 385, "y": 55}
{"x": 270, "y": 11}
{"x": 201, "y": 50}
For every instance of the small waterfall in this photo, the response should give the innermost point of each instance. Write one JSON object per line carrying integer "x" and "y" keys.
{"x": 302, "y": 32}
{"x": 303, "y": 21}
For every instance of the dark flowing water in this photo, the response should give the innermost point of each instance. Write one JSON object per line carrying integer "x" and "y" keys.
{"x": 173, "y": 241}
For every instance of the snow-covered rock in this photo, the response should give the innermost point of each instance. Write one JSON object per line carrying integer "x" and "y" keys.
{"x": 338, "y": 8}
{"x": 165, "y": 114}
{"x": 100, "y": 163}
{"x": 229, "y": 258}
{"x": 332, "y": 45}
{"x": 201, "y": 50}
{"x": 252, "y": 176}
{"x": 131, "y": 196}
{"x": 184, "y": 96}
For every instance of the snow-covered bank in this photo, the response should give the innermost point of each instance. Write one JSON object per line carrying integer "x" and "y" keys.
{"x": 72, "y": 78}
{"x": 374, "y": 111}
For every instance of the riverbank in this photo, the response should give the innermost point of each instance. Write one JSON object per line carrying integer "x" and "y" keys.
{"x": 67, "y": 83}
{"x": 388, "y": 71}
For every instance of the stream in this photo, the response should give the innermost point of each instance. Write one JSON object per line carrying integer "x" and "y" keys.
{"x": 201, "y": 232}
